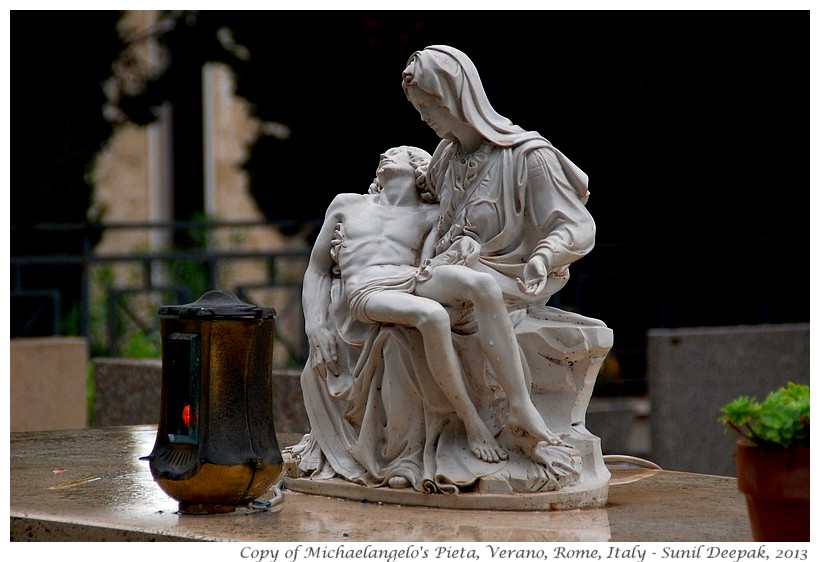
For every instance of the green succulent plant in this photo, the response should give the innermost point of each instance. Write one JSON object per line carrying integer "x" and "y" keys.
{"x": 780, "y": 421}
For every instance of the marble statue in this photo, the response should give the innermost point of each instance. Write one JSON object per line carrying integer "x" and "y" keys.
{"x": 437, "y": 373}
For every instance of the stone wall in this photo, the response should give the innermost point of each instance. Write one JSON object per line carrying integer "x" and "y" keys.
{"x": 693, "y": 372}
{"x": 48, "y": 383}
{"x": 622, "y": 424}
{"x": 127, "y": 392}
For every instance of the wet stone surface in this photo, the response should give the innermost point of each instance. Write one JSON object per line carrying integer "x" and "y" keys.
{"x": 77, "y": 485}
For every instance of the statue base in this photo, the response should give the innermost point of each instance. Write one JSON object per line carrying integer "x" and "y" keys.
{"x": 576, "y": 497}
{"x": 491, "y": 492}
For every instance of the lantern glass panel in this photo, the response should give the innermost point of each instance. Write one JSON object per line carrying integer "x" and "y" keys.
{"x": 182, "y": 405}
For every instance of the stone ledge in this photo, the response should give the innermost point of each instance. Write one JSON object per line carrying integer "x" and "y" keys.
{"x": 127, "y": 392}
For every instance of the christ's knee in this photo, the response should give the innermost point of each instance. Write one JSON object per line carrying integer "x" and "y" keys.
{"x": 434, "y": 321}
{"x": 485, "y": 291}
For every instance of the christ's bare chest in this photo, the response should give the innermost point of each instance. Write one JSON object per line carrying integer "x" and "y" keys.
{"x": 388, "y": 234}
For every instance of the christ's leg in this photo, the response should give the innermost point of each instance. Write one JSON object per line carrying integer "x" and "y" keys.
{"x": 433, "y": 322}
{"x": 450, "y": 284}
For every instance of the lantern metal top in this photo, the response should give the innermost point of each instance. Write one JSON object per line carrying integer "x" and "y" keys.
{"x": 217, "y": 304}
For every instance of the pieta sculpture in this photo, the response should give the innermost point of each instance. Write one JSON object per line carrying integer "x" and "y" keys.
{"x": 437, "y": 373}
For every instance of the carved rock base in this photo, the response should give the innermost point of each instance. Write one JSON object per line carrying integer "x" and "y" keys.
{"x": 574, "y": 498}
{"x": 491, "y": 492}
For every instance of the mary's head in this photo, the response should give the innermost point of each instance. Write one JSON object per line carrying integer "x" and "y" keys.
{"x": 444, "y": 77}
{"x": 434, "y": 78}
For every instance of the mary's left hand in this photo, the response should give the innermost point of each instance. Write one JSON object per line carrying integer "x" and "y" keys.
{"x": 535, "y": 276}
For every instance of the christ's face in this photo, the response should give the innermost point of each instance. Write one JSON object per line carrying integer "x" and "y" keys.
{"x": 395, "y": 161}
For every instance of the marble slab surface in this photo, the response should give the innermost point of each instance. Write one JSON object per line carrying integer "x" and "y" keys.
{"x": 89, "y": 485}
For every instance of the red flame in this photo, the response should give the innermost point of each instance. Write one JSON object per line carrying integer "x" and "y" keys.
{"x": 186, "y": 415}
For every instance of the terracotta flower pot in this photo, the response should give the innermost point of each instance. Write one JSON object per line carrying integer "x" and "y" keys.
{"x": 776, "y": 485}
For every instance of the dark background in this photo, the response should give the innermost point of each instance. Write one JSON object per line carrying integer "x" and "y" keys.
{"x": 693, "y": 127}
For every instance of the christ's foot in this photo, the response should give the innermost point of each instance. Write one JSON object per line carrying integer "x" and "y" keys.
{"x": 484, "y": 446}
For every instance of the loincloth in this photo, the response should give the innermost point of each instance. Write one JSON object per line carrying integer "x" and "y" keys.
{"x": 403, "y": 279}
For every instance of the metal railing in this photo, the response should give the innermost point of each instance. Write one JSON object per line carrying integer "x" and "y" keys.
{"x": 632, "y": 288}
{"x": 153, "y": 278}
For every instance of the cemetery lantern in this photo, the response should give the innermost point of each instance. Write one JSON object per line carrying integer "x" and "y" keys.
{"x": 215, "y": 447}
